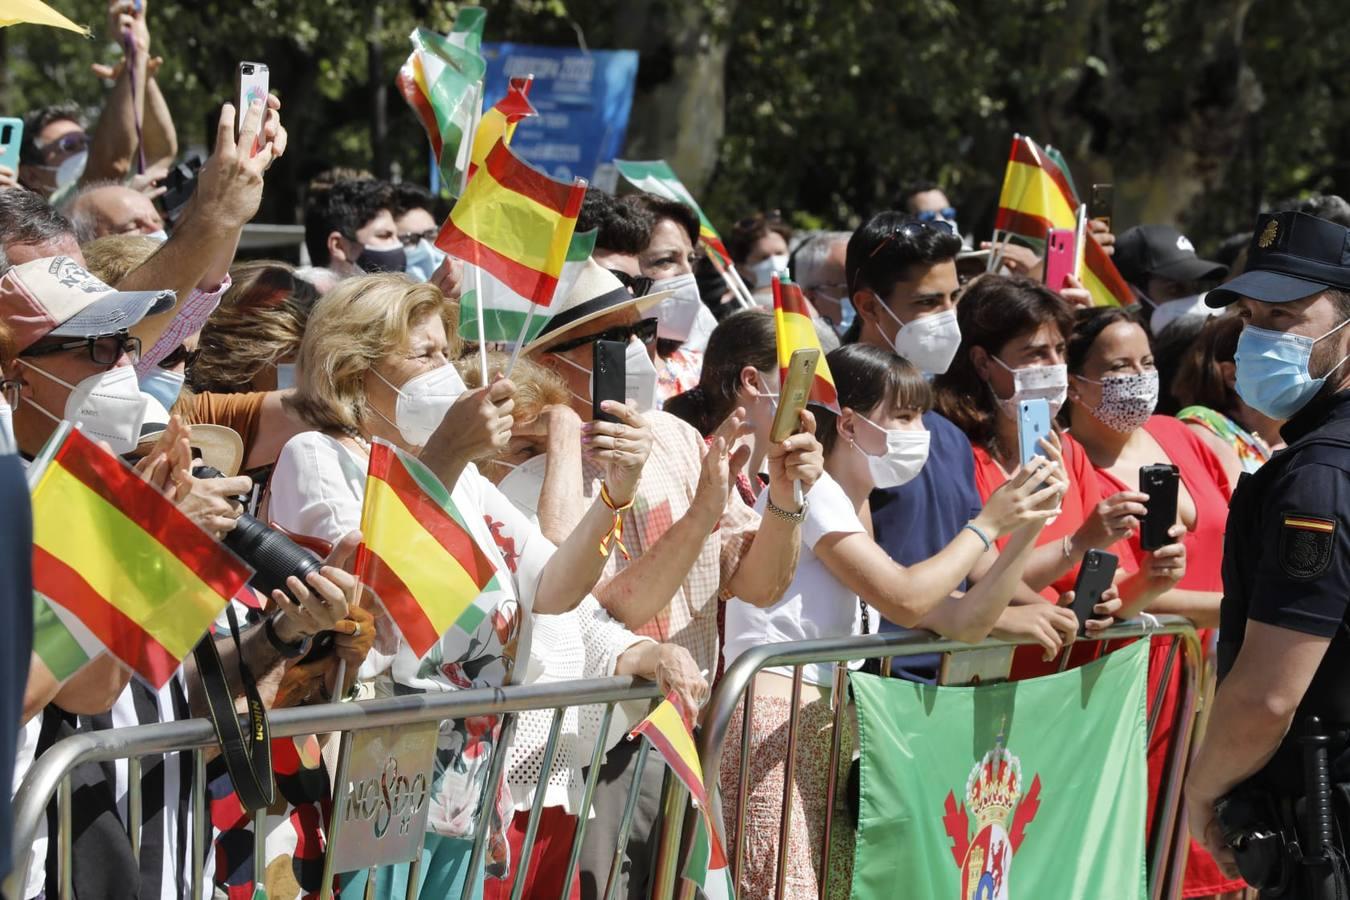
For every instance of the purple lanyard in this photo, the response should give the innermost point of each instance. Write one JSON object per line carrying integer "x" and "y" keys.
{"x": 129, "y": 45}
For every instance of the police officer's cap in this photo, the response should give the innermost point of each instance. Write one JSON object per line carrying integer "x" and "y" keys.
{"x": 1292, "y": 255}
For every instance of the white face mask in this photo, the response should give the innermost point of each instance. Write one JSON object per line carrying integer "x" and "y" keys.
{"x": 1048, "y": 383}
{"x": 71, "y": 169}
{"x": 929, "y": 342}
{"x": 423, "y": 402}
{"x": 524, "y": 483}
{"x": 677, "y": 313}
{"x": 164, "y": 385}
{"x": 8, "y": 446}
{"x": 764, "y": 270}
{"x": 285, "y": 376}
{"x": 639, "y": 378}
{"x": 1127, "y": 400}
{"x": 906, "y": 453}
{"x": 107, "y": 406}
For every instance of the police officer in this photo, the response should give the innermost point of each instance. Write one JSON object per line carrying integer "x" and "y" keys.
{"x": 1281, "y": 714}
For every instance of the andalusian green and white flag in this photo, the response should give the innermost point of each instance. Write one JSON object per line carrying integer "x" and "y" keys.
{"x": 442, "y": 81}
{"x": 1019, "y": 791}
{"x": 655, "y": 176}
{"x": 505, "y": 312}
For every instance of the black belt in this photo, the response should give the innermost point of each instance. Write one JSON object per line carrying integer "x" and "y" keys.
{"x": 247, "y": 753}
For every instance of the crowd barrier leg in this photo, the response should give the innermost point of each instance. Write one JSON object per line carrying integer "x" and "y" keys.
{"x": 626, "y": 825}
{"x": 587, "y": 797}
{"x": 789, "y": 771}
{"x": 1167, "y": 870}
{"x": 840, "y": 696}
{"x": 537, "y": 807}
{"x": 335, "y": 819}
{"x": 64, "y": 854}
{"x": 488, "y": 801}
{"x": 742, "y": 785}
{"x": 134, "y": 811}
{"x": 200, "y": 821}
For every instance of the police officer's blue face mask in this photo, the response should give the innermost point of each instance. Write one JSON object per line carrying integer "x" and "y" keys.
{"x": 1272, "y": 370}
{"x": 422, "y": 260}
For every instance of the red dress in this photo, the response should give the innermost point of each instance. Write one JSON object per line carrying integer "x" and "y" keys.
{"x": 1206, "y": 482}
{"x": 1082, "y": 498}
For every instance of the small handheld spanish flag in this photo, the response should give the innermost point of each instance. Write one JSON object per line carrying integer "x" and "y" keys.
{"x": 796, "y": 331}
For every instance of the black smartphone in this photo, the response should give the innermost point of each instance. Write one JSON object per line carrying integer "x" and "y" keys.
{"x": 1160, "y": 482}
{"x": 607, "y": 377}
{"x": 178, "y": 186}
{"x": 1094, "y": 577}
{"x": 1100, "y": 203}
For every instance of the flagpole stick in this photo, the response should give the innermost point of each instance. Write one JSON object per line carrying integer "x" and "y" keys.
{"x": 742, "y": 290}
{"x": 1080, "y": 235}
{"x": 520, "y": 341}
{"x": 468, "y": 140}
{"x": 338, "y": 688}
{"x": 482, "y": 344}
{"x": 996, "y": 254}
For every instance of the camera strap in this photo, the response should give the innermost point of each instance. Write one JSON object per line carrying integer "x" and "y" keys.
{"x": 248, "y": 756}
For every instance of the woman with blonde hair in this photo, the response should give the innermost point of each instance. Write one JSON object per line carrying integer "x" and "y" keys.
{"x": 374, "y": 364}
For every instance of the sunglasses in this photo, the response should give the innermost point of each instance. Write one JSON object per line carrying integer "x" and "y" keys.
{"x": 638, "y": 285}
{"x": 947, "y": 213}
{"x": 911, "y": 230}
{"x": 74, "y": 142}
{"x": 179, "y": 354}
{"x": 103, "y": 351}
{"x": 644, "y": 331}
{"x": 411, "y": 238}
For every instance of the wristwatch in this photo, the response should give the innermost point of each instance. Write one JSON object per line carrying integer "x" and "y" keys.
{"x": 289, "y": 651}
{"x": 795, "y": 518}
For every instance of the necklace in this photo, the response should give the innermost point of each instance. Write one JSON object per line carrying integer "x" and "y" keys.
{"x": 356, "y": 436}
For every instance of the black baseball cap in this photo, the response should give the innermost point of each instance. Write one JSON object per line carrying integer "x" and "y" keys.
{"x": 1292, "y": 255}
{"x": 1161, "y": 251}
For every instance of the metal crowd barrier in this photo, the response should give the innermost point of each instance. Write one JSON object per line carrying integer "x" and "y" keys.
{"x": 50, "y": 773}
{"x": 1166, "y": 857}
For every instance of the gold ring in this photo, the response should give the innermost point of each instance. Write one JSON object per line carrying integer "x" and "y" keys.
{"x": 356, "y": 632}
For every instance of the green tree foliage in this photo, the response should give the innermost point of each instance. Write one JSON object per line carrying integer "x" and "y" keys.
{"x": 1199, "y": 112}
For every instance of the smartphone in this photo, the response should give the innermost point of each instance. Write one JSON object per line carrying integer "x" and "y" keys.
{"x": 1095, "y": 575}
{"x": 11, "y": 136}
{"x": 1101, "y": 201}
{"x": 1160, "y": 481}
{"x": 794, "y": 392}
{"x": 1061, "y": 257}
{"x": 607, "y": 377}
{"x": 1033, "y": 424}
{"x": 251, "y": 83}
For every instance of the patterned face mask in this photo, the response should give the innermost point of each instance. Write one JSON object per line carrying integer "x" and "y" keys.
{"x": 1127, "y": 400}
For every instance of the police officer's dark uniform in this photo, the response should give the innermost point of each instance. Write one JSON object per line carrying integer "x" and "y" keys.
{"x": 1286, "y": 563}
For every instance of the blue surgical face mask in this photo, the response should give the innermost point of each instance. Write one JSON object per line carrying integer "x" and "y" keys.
{"x": 164, "y": 385}
{"x": 422, "y": 260}
{"x": 1272, "y": 370}
{"x": 846, "y": 316}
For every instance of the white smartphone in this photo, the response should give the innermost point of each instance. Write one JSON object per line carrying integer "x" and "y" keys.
{"x": 251, "y": 84}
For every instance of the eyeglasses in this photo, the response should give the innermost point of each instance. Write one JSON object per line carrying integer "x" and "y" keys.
{"x": 947, "y": 213}
{"x": 68, "y": 144}
{"x": 179, "y": 354}
{"x": 912, "y": 230}
{"x": 105, "y": 350}
{"x": 644, "y": 331}
{"x": 411, "y": 238}
{"x": 638, "y": 285}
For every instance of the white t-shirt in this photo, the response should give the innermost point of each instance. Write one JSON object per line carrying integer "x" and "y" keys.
{"x": 816, "y": 604}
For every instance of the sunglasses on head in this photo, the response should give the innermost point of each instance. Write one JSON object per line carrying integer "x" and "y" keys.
{"x": 912, "y": 230}
{"x": 644, "y": 331}
{"x": 638, "y": 285}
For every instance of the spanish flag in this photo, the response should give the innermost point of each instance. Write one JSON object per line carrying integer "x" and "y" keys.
{"x": 515, "y": 223}
{"x": 796, "y": 331}
{"x": 120, "y": 566}
{"x": 668, "y": 730}
{"x": 657, "y": 177}
{"x": 499, "y": 123}
{"x": 1037, "y": 195}
{"x": 417, "y": 555}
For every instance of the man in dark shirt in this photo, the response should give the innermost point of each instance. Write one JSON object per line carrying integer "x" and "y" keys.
{"x": 1286, "y": 571}
{"x": 902, "y": 280}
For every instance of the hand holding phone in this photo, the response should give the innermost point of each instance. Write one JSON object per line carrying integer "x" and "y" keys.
{"x": 11, "y": 138}
{"x": 1161, "y": 482}
{"x": 1095, "y": 575}
{"x": 795, "y": 391}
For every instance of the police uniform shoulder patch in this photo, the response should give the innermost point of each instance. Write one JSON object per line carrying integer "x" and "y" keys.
{"x": 1305, "y": 544}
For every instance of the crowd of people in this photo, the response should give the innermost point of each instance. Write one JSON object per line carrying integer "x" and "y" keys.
{"x": 907, "y": 508}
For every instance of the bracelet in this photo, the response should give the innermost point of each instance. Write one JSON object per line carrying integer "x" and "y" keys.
{"x": 1068, "y": 549}
{"x": 979, "y": 533}
{"x": 615, "y": 534}
{"x": 783, "y": 514}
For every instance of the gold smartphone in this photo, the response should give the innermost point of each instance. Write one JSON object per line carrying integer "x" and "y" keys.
{"x": 794, "y": 393}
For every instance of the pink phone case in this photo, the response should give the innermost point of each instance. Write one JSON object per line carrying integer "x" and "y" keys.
{"x": 1060, "y": 254}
